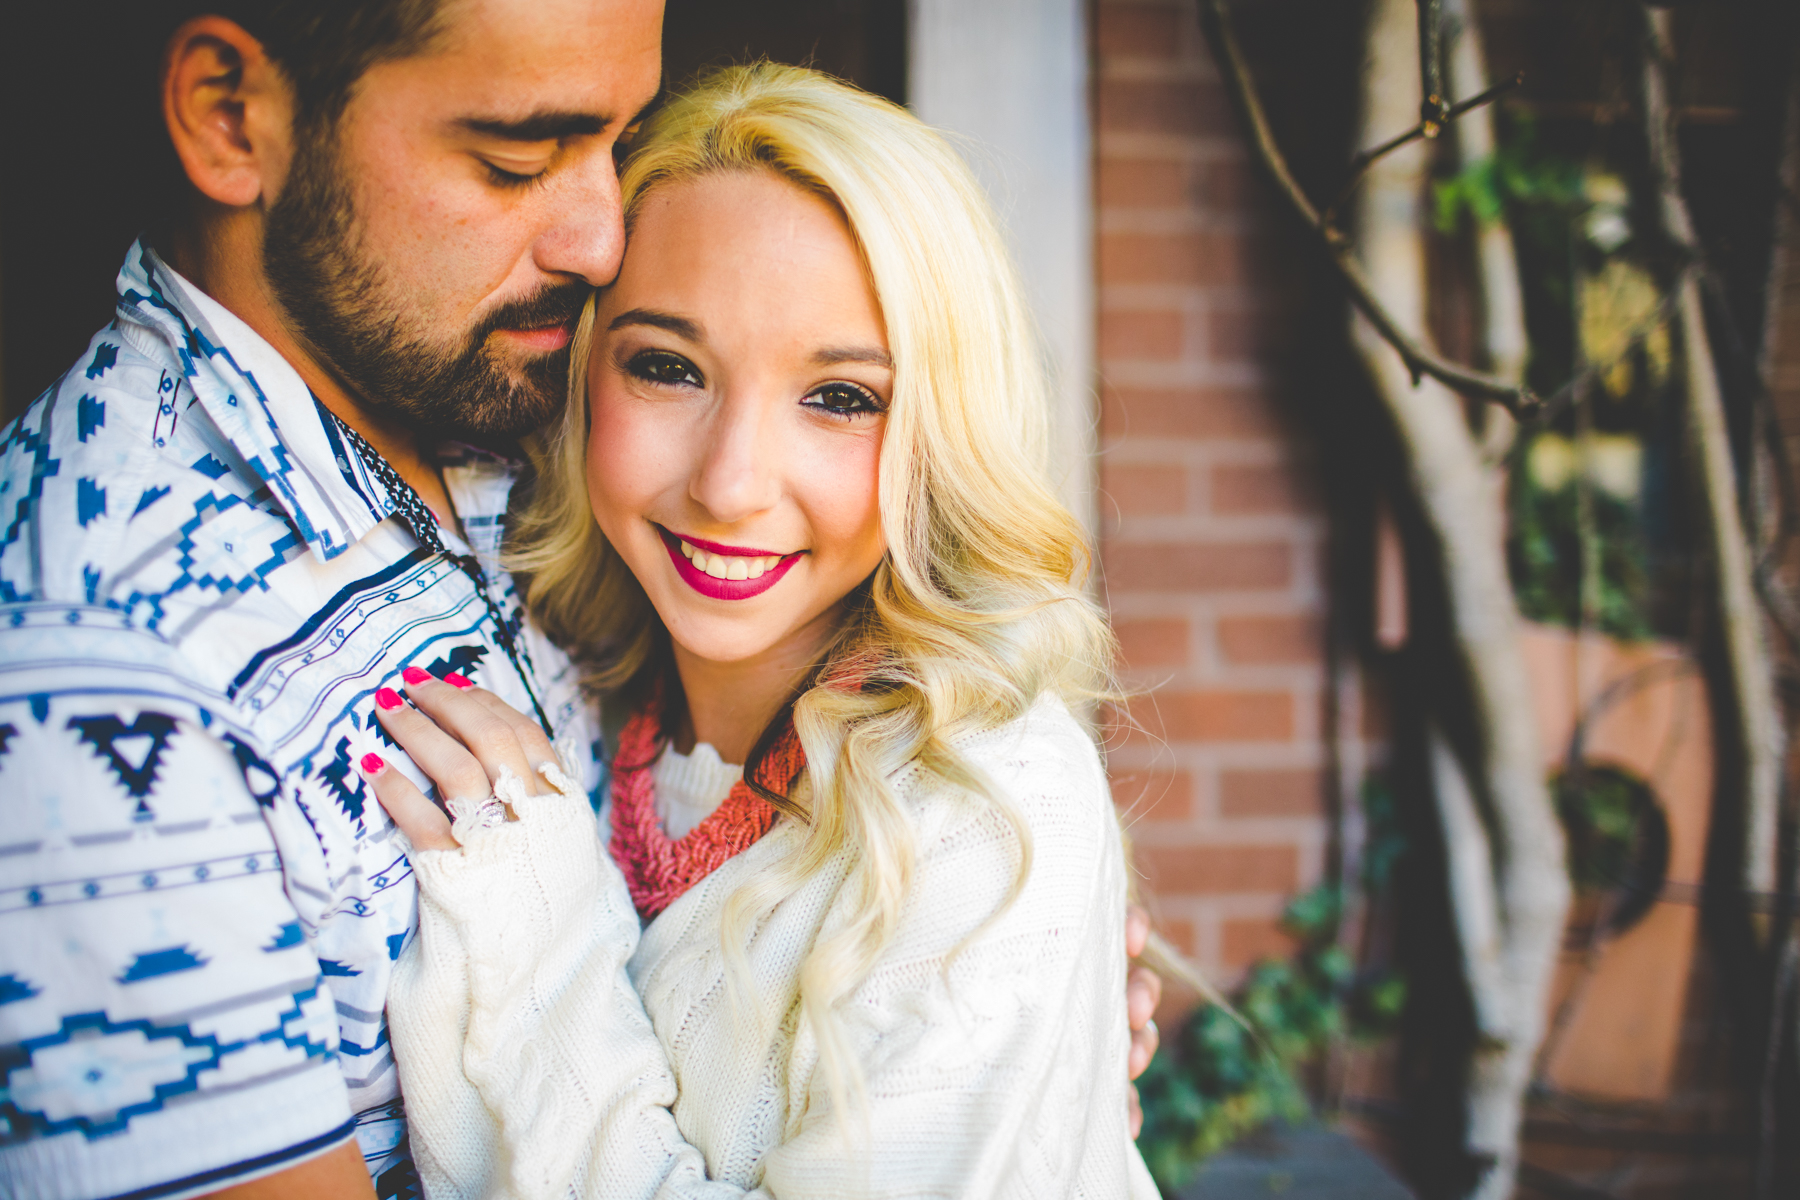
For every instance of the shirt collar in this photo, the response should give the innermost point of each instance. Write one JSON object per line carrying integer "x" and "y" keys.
{"x": 262, "y": 406}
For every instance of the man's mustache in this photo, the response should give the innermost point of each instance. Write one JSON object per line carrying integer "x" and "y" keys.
{"x": 556, "y": 305}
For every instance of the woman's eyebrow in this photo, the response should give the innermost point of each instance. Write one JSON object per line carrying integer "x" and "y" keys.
{"x": 871, "y": 355}
{"x": 679, "y": 326}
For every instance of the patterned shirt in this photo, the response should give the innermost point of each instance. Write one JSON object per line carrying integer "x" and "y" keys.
{"x": 202, "y": 584}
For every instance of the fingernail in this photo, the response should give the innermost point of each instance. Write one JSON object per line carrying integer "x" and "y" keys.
{"x": 388, "y": 698}
{"x": 372, "y": 764}
{"x": 458, "y": 679}
{"x": 414, "y": 675}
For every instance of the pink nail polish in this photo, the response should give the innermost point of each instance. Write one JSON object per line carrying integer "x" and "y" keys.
{"x": 414, "y": 675}
{"x": 458, "y": 679}
{"x": 388, "y": 698}
{"x": 372, "y": 764}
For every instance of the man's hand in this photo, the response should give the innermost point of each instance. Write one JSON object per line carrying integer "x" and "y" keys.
{"x": 1143, "y": 992}
{"x": 337, "y": 1174}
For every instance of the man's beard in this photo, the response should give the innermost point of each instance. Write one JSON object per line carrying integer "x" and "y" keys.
{"x": 344, "y": 306}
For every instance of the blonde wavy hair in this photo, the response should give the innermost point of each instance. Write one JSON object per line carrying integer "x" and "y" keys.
{"x": 978, "y": 607}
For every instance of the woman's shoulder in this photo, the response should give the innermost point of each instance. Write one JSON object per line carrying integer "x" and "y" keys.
{"x": 1046, "y": 794}
{"x": 1043, "y": 762}
{"x": 1044, "y": 735}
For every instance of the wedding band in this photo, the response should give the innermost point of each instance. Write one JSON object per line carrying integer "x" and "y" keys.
{"x": 1150, "y": 1026}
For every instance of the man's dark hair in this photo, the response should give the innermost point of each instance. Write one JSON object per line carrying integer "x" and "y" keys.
{"x": 323, "y": 46}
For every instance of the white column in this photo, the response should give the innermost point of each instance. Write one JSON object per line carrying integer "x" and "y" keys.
{"x": 1011, "y": 78}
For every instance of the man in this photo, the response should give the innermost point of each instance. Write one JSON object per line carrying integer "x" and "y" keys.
{"x": 250, "y": 505}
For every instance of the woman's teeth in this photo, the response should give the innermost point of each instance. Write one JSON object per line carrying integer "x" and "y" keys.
{"x": 725, "y": 566}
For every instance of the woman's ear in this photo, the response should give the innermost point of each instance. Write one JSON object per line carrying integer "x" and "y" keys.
{"x": 229, "y": 110}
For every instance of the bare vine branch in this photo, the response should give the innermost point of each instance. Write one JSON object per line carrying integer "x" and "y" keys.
{"x": 1367, "y": 158}
{"x": 1433, "y": 111}
{"x": 1419, "y": 361}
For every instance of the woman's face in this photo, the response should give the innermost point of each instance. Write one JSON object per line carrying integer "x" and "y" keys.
{"x": 738, "y": 386}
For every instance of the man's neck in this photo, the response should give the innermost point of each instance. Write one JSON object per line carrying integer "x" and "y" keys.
{"x": 224, "y": 259}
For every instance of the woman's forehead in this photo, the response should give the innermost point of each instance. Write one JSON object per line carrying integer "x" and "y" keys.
{"x": 746, "y": 248}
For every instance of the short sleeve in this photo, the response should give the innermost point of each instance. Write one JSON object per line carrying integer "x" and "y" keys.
{"x": 164, "y": 1028}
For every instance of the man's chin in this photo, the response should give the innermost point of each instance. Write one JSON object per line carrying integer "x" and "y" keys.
{"x": 522, "y": 408}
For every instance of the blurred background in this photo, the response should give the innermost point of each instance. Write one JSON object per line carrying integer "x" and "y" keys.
{"x": 1409, "y": 668}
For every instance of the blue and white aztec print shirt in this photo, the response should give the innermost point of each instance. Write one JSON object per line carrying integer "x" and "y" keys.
{"x": 201, "y": 588}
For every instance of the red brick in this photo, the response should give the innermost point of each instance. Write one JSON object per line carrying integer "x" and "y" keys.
{"x": 1144, "y": 183}
{"x": 1216, "y": 870}
{"x": 1153, "y": 641}
{"x": 1198, "y": 566}
{"x": 1159, "y": 106}
{"x": 1143, "y": 491}
{"x": 1209, "y": 258}
{"x": 1270, "y": 640}
{"x": 1195, "y": 412}
{"x": 1257, "y": 489}
{"x": 1246, "y": 940}
{"x": 1214, "y": 715}
{"x": 1137, "y": 31}
{"x": 1154, "y": 795}
{"x": 1270, "y": 793}
{"x": 1140, "y": 335}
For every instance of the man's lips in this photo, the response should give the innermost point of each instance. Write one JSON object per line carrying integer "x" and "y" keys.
{"x": 712, "y": 586}
{"x": 546, "y": 339}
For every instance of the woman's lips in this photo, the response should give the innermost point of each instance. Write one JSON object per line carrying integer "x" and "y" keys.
{"x": 768, "y": 566}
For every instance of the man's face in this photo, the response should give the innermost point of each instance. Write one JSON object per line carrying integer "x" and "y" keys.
{"x": 435, "y": 245}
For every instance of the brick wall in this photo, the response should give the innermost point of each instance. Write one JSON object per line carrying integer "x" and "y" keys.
{"x": 1211, "y": 546}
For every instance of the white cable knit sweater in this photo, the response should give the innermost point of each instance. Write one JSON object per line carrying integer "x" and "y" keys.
{"x": 547, "y": 1052}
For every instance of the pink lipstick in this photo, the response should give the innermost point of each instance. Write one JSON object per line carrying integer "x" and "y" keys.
{"x": 697, "y": 562}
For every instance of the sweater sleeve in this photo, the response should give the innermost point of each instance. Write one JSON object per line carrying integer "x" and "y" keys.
{"x": 530, "y": 1068}
{"x": 990, "y": 1037}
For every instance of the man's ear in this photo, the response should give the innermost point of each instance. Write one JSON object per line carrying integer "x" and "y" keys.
{"x": 229, "y": 110}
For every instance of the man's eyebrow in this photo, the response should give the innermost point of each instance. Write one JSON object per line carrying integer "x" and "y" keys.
{"x": 872, "y": 355}
{"x": 679, "y": 326}
{"x": 543, "y": 126}
{"x": 649, "y": 106}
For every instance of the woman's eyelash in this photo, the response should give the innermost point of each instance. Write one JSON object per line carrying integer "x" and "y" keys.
{"x": 846, "y": 400}
{"x": 660, "y": 366}
{"x": 840, "y": 398}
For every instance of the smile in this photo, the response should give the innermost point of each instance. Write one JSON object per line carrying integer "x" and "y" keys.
{"x": 725, "y": 572}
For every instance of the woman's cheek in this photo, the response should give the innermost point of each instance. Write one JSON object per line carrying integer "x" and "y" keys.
{"x": 845, "y": 498}
{"x": 622, "y": 454}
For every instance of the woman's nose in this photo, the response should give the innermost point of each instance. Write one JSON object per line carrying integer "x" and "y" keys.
{"x": 739, "y": 471}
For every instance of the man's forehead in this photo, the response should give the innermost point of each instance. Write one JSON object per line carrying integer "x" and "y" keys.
{"x": 607, "y": 50}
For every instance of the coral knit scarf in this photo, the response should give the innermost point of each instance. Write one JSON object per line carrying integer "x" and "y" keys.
{"x": 659, "y": 869}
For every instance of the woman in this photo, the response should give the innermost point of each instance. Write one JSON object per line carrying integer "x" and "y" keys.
{"x": 798, "y": 510}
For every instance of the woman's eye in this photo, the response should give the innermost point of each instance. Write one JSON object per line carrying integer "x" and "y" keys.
{"x": 845, "y": 400}
{"x": 659, "y": 366}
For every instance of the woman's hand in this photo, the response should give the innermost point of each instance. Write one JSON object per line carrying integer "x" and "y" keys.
{"x": 462, "y": 736}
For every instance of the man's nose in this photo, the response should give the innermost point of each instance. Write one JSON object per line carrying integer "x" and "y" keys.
{"x": 585, "y": 234}
{"x": 739, "y": 470}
